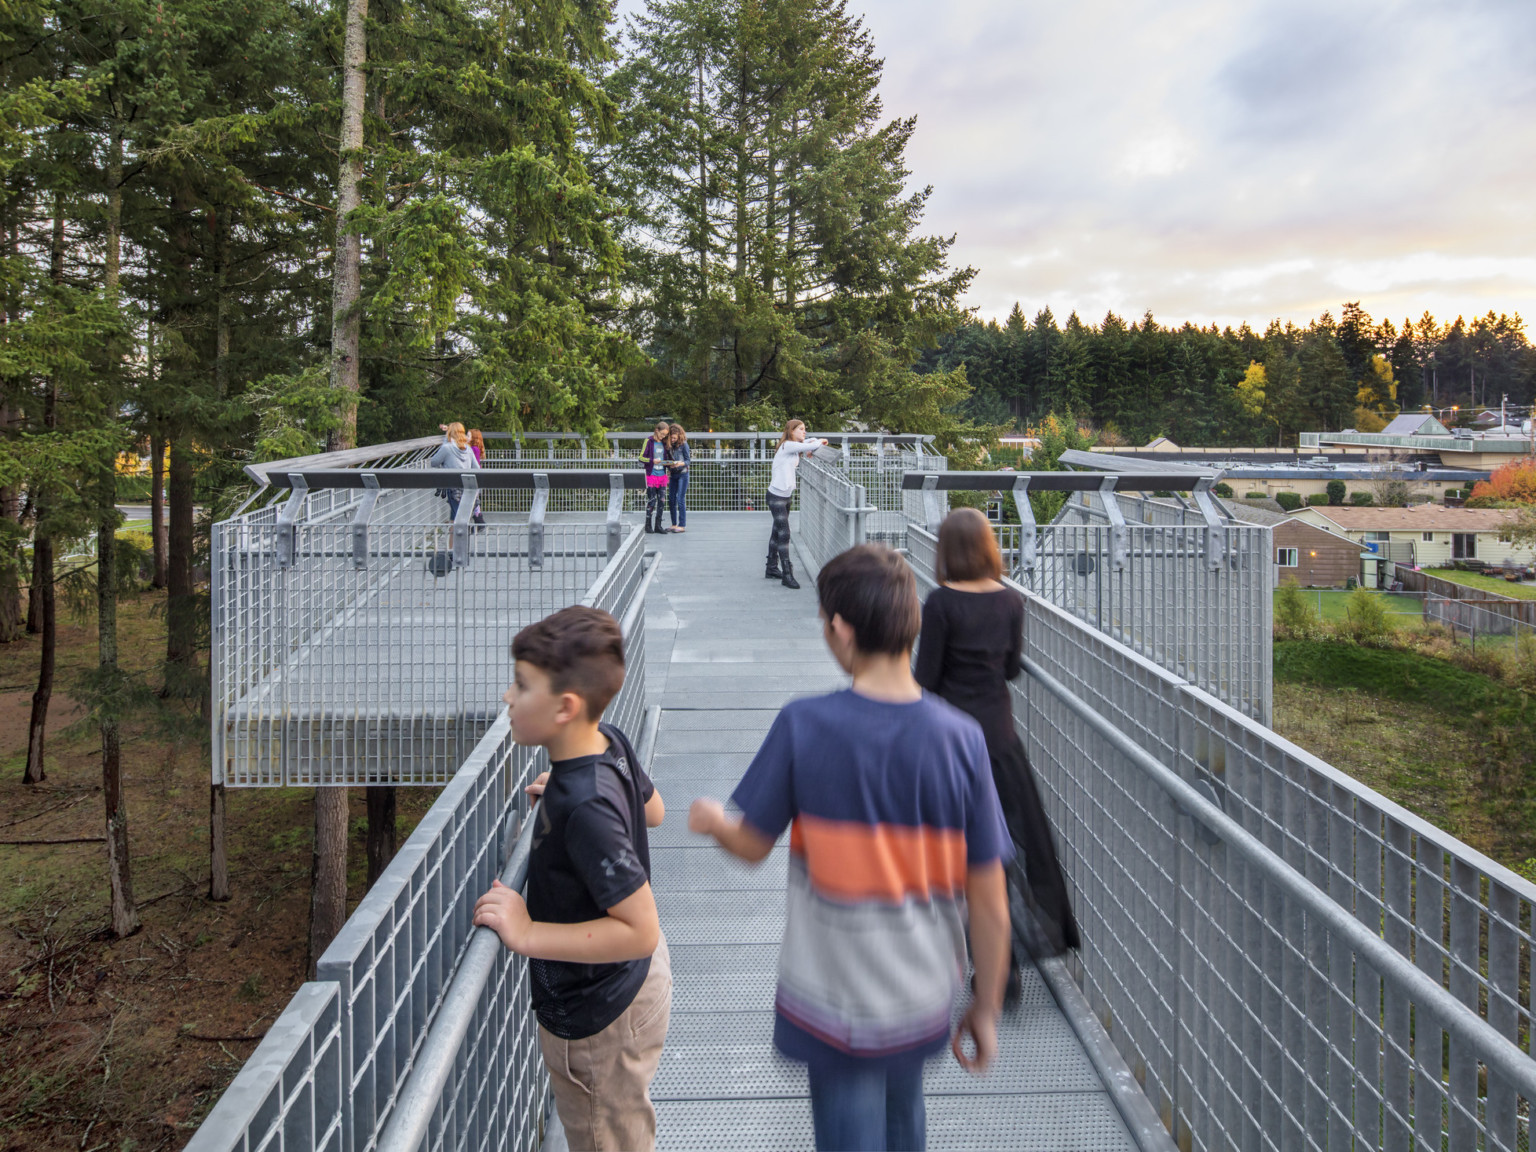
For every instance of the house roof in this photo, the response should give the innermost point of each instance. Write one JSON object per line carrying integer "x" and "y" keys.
{"x": 1163, "y": 444}
{"x": 1419, "y": 518}
{"x": 1255, "y": 511}
{"x": 1415, "y": 424}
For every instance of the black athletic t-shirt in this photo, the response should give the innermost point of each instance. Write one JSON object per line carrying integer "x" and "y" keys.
{"x": 590, "y": 851}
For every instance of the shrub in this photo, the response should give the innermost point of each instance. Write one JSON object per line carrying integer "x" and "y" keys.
{"x": 1288, "y": 500}
{"x": 1296, "y": 615}
{"x": 1335, "y": 492}
{"x": 1514, "y": 482}
{"x": 1253, "y": 495}
{"x": 1366, "y": 615}
{"x": 1361, "y": 499}
{"x": 1224, "y": 490}
{"x": 1523, "y": 667}
{"x": 1317, "y": 500}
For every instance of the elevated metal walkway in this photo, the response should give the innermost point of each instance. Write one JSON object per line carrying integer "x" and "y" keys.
{"x": 725, "y": 649}
{"x": 1284, "y": 958}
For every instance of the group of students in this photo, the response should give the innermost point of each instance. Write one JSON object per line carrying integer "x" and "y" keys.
{"x": 666, "y": 457}
{"x": 909, "y": 802}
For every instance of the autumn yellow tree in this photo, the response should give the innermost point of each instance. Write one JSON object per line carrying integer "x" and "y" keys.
{"x": 1376, "y": 397}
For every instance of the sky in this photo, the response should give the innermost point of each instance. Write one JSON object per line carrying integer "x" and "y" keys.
{"x": 1223, "y": 160}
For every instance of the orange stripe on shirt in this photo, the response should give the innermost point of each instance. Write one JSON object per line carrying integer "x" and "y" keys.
{"x": 850, "y": 860}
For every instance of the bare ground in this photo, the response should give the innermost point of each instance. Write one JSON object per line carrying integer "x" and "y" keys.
{"x": 126, "y": 1044}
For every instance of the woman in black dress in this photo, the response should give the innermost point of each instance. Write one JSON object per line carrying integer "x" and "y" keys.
{"x": 971, "y": 646}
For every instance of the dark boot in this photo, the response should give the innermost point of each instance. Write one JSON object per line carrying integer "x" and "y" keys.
{"x": 772, "y": 571}
{"x": 787, "y": 573}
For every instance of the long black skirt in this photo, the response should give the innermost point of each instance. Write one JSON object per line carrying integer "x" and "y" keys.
{"x": 1045, "y": 886}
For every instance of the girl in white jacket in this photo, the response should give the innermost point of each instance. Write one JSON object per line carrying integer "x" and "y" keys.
{"x": 781, "y": 490}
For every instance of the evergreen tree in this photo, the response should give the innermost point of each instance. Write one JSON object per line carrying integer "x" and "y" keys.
{"x": 785, "y": 271}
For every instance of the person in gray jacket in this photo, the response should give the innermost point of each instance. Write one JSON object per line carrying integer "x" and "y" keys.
{"x": 455, "y": 453}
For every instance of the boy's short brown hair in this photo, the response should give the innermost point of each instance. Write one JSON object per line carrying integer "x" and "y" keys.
{"x": 872, "y": 588}
{"x": 580, "y": 649}
{"x": 967, "y": 548}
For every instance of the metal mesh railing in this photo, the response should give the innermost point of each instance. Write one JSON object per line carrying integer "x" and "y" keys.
{"x": 388, "y": 668}
{"x": 385, "y": 975}
{"x": 1209, "y": 623}
{"x": 1303, "y": 964}
{"x": 848, "y": 502}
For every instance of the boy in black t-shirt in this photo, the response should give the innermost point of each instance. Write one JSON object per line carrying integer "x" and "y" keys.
{"x": 598, "y": 963}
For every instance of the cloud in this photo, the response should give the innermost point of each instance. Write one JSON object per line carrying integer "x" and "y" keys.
{"x": 1219, "y": 161}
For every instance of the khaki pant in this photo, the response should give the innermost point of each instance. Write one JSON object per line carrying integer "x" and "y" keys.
{"x": 602, "y": 1083}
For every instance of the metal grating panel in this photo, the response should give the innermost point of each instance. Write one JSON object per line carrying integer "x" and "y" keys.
{"x": 1039, "y": 1122}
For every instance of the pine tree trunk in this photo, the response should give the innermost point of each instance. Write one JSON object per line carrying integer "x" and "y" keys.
{"x": 218, "y": 855}
{"x": 42, "y": 569}
{"x": 328, "y": 896}
{"x": 218, "y": 852}
{"x": 125, "y": 913}
{"x": 181, "y": 672}
{"x": 381, "y": 830}
{"x": 35, "y": 594}
{"x": 328, "y": 872}
{"x": 42, "y": 555}
{"x": 157, "y": 507}
{"x": 346, "y": 287}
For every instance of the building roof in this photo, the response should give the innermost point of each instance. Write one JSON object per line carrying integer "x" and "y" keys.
{"x": 1163, "y": 444}
{"x": 1255, "y": 511}
{"x": 1415, "y": 424}
{"x": 1419, "y": 518}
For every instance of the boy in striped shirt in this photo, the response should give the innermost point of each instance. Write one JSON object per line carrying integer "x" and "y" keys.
{"x": 895, "y": 834}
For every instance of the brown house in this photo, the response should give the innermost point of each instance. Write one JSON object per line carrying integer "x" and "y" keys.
{"x": 1310, "y": 555}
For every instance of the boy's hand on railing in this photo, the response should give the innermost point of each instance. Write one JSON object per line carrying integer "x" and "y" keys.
{"x": 504, "y": 912}
{"x": 536, "y": 789}
{"x": 980, "y": 1024}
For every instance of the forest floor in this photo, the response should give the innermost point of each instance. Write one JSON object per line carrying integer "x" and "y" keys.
{"x": 1451, "y": 745}
{"x": 126, "y": 1044}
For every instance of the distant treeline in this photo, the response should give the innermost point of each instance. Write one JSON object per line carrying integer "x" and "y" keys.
{"x": 1216, "y": 386}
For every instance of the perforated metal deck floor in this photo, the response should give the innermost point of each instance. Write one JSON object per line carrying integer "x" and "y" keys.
{"x": 725, "y": 649}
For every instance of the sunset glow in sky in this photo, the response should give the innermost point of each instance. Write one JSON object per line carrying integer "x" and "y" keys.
{"x": 1224, "y": 160}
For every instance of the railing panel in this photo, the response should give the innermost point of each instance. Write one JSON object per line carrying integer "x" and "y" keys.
{"x": 384, "y": 976}
{"x": 327, "y": 672}
{"x": 289, "y": 1097}
{"x": 1253, "y": 1017}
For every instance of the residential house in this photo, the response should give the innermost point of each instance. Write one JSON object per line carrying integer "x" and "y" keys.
{"x": 1423, "y": 535}
{"x": 1312, "y": 555}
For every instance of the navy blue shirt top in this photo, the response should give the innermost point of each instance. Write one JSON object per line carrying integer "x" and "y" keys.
{"x": 590, "y": 851}
{"x": 889, "y": 806}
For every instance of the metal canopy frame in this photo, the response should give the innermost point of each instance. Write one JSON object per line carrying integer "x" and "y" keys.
{"x": 484, "y": 478}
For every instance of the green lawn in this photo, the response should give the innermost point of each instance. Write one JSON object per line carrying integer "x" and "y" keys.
{"x": 1403, "y": 610}
{"x": 1496, "y": 584}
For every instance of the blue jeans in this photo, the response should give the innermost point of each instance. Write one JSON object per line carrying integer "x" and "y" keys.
{"x": 677, "y": 499}
{"x": 878, "y": 1108}
{"x": 454, "y": 496}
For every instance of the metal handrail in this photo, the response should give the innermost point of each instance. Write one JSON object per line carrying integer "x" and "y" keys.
{"x": 1502, "y": 1056}
{"x": 434, "y": 1063}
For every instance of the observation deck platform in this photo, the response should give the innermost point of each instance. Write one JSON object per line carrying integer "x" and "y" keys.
{"x": 725, "y": 649}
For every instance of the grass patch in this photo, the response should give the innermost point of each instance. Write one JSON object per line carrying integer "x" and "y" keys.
{"x": 1448, "y": 743}
{"x": 1402, "y": 611}
{"x": 1495, "y": 584}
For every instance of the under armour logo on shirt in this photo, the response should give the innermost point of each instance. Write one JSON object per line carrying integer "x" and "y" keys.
{"x": 622, "y": 860}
